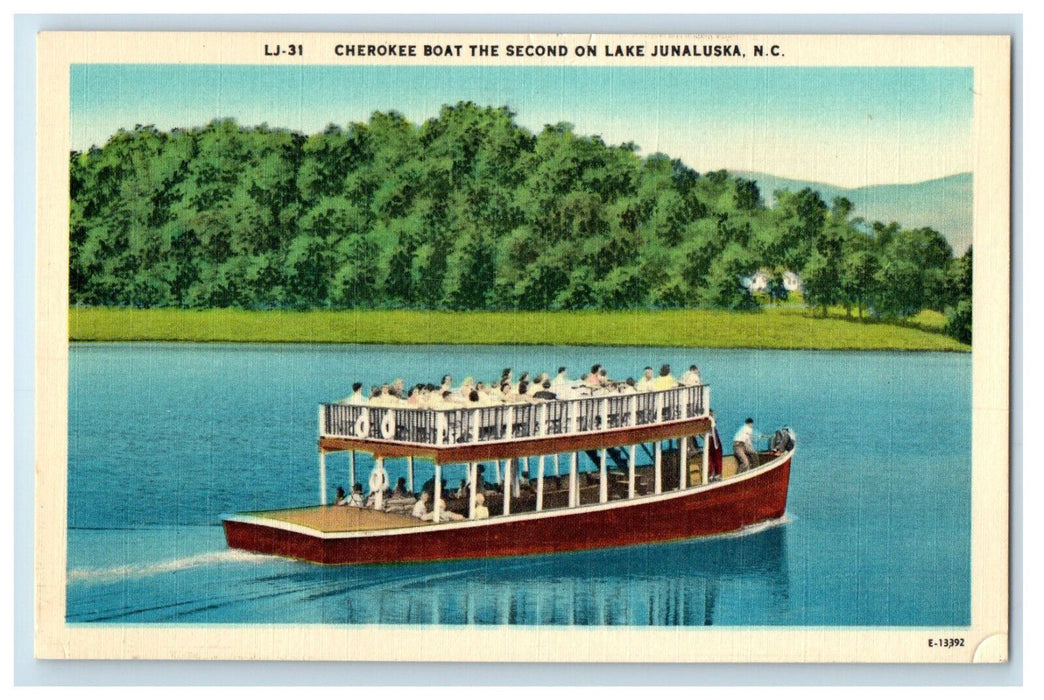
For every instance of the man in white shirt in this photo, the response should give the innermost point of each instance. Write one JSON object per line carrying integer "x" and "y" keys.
{"x": 743, "y": 447}
{"x": 692, "y": 377}
{"x": 420, "y": 508}
{"x": 560, "y": 379}
{"x": 357, "y": 398}
{"x": 647, "y": 381}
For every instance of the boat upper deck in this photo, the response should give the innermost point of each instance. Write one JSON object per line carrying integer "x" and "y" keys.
{"x": 468, "y": 433}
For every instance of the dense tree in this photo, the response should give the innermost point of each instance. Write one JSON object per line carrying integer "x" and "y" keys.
{"x": 467, "y": 211}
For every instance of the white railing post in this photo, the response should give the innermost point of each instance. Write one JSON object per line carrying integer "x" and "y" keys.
{"x": 323, "y": 428}
{"x": 603, "y": 480}
{"x": 409, "y": 473}
{"x": 603, "y": 410}
{"x": 441, "y": 428}
{"x": 541, "y": 418}
{"x": 573, "y": 418}
{"x": 633, "y": 400}
{"x": 476, "y": 418}
{"x": 509, "y": 417}
{"x": 659, "y": 406}
{"x": 351, "y": 471}
{"x": 322, "y": 477}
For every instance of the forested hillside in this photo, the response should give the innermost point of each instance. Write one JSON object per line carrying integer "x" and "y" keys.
{"x": 467, "y": 211}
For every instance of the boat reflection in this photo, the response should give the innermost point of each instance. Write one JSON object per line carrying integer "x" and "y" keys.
{"x": 697, "y": 582}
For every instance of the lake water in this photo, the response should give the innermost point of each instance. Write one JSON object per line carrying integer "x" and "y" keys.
{"x": 165, "y": 438}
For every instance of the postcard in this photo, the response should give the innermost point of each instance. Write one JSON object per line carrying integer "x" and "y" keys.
{"x": 493, "y": 347}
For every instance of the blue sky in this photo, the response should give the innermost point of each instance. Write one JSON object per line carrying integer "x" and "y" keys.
{"x": 844, "y": 126}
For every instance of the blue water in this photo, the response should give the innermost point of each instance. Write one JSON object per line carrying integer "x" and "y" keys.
{"x": 163, "y": 439}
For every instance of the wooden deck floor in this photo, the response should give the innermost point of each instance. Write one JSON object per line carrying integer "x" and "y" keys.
{"x": 342, "y": 518}
{"x": 349, "y": 519}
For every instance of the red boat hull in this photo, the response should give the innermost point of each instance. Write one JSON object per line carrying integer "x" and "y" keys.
{"x": 723, "y": 507}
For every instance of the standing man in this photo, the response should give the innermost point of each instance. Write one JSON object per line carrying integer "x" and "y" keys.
{"x": 743, "y": 446}
{"x": 714, "y": 457}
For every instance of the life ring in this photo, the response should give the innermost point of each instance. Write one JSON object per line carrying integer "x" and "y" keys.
{"x": 378, "y": 480}
{"x": 362, "y": 424}
{"x": 388, "y": 425}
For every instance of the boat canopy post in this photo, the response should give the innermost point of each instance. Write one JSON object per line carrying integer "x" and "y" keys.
{"x": 540, "y": 483}
{"x": 322, "y": 477}
{"x": 683, "y": 462}
{"x": 630, "y": 471}
{"x": 557, "y": 472}
{"x": 378, "y": 480}
{"x": 351, "y": 471}
{"x": 409, "y": 473}
{"x": 472, "y": 487}
{"x": 603, "y": 485}
{"x": 507, "y": 487}
{"x": 705, "y": 461}
{"x": 437, "y": 506}
{"x": 496, "y": 471}
{"x": 574, "y": 496}
{"x": 657, "y": 467}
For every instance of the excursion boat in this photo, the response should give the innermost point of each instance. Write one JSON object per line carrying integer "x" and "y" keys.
{"x": 651, "y": 483}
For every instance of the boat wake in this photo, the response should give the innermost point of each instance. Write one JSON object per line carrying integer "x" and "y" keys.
{"x": 128, "y": 571}
{"x": 760, "y": 527}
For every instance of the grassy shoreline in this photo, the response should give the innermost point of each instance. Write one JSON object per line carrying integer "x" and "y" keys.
{"x": 778, "y": 328}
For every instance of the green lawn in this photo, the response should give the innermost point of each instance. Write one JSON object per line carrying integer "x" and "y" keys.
{"x": 783, "y": 327}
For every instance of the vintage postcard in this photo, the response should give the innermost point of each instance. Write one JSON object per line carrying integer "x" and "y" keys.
{"x": 650, "y": 348}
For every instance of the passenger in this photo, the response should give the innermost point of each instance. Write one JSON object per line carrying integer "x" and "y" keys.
{"x": 340, "y": 498}
{"x": 357, "y": 398}
{"x": 691, "y": 377}
{"x": 560, "y": 379}
{"x": 462, "y": 491}
{"x": 545, "y": 392}
{"x": 447, "y": 383}
{"x": 714, "y": 457}
{"x": 356, "y": 499}
{"x": 782, "y": 441}
{"x": 743, "y": 447}
{"x": 480, "y": 480}
{"x": 413, "y": 398}
{"x": 375, "y": 396}
{"x": 420, "y": 508}
{"x": 473, "y": 397}
{"x": 627, "y": 387}
{"x": 466, "y": 388}
{"x": 398, "y": 389}
{"x": 523, "y": 393}
{"x": 481, "y": 511}
{"x": 444, "y": 513}
{"x": 665, "y": 380}
{"x": 400, "y": 488}
{"x": 647, "y": 381}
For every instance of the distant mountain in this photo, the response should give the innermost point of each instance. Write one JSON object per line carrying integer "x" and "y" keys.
{"x": 944, "y": 204}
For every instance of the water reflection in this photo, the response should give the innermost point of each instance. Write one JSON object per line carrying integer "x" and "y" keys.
{"x": 698, "y": 582}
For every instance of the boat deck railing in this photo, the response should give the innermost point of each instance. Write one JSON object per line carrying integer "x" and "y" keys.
{"x": 508, "y": 422}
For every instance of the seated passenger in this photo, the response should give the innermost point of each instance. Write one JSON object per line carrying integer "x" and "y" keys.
{"x": 400, "y": 488}
{"x": 481, "y": 511}
{"x": 357, "y": 398}
{"x": 560, "y": 378}
{"x": 340, "y": 498}
{"x": 691, "y": 377}
{"x": 420, "y": 508}
{"x": 628, "y": 387}
{"x": 647, "y": 380}
{"x": 462, "y": 491}
{"x": 356, "y": 499}
{"x": 545, "y": 392}
{"x": 665, "y": 380}
{"x": 444, "y": 514}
